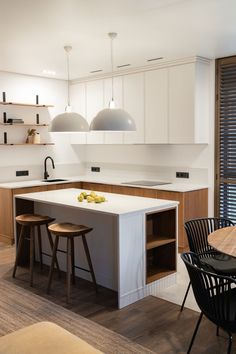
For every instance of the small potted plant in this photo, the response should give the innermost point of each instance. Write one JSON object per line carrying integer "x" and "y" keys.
{"x": 33, "y": 137}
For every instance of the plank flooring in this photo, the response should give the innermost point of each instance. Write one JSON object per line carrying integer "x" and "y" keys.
{"x": 154, "y": 323}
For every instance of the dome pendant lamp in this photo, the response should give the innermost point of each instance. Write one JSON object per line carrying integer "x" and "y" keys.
{"x": 112, "y": 118}
{"x": 69, "y": 121}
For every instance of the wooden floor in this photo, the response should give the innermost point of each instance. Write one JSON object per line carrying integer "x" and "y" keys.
{"x": 151, "y": 322}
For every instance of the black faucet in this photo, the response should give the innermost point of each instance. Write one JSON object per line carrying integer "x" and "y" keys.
{"x": 46, "y": 175}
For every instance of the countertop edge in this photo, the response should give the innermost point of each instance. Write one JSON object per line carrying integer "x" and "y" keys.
{"x": 169, "y": 187}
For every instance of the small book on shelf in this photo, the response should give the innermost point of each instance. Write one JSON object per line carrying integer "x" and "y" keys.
{"x": 15, "y": 121}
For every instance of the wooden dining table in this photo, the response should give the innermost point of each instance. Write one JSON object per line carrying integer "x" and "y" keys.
{"x": 224, "y": 240}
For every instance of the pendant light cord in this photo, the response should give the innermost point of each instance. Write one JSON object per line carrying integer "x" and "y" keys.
{"x": 68, "y": 77}
{"x": 112, "y": 69}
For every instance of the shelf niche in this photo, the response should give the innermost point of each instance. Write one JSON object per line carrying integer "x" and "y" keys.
{"x": 160, "y": 244}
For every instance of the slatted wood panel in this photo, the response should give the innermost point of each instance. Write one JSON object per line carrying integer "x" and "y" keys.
{"x": 225, "y": 205}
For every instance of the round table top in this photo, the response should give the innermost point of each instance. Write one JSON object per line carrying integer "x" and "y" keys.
{"x": 224, "y": 240}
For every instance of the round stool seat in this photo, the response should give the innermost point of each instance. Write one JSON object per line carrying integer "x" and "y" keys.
{"x": 68, "y": 229}
{"x": 33, "y": 219}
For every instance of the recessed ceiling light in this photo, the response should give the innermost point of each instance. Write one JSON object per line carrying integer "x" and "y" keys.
{"x": 95, "y": 71}
{"x": 153, "y": 59}
{"x": 49, "y": 72}
{"x": 123, "y": 65}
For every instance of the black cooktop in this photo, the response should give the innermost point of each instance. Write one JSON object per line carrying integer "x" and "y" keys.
{"x": 146, "y": 183}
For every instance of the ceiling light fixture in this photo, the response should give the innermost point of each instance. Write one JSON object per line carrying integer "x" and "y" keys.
{"x": 123, "y": 65}
{"x": 112, "y": 118}
{"x": 69, "y": 121}
{"x": 49, "y": 72}
{"x": 153, "y": 59}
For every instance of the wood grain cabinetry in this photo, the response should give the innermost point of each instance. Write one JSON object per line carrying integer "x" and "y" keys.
{"x": 160, "y": 240}
{"x": 6, "y": 206}
{"x": 192, "y": 204}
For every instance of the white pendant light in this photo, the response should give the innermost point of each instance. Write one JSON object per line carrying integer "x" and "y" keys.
{"x": 69, "y": 121}
{"x": 112, "y": 118}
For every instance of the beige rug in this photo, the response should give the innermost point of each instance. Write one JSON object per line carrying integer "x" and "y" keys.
{"x": 19, "y": 308}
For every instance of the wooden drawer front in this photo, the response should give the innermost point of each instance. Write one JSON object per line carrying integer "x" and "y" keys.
{"x": 6, "y": 215}
{"x": 29, "y": 190}
{"x": 97, "y": 187}
{"x": 63, "y": 186}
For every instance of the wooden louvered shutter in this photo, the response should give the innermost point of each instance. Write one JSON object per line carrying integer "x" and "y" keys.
{"x": 225, "y": 205}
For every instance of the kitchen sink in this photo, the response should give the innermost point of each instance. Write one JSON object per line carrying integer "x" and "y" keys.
{"x": 54, "y": 180}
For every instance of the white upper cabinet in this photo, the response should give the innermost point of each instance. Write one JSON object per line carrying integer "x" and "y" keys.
{"x": 133, "y": 90}
{"x": 156, "y": 107}
{"x": 113, "y": 137}
{"x": 170, "y": 104}
{"x": 189, "y": 103}
{"x": 94, "y": 104}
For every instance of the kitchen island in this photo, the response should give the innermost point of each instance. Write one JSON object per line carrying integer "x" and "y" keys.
{"x": 133, "y": 244}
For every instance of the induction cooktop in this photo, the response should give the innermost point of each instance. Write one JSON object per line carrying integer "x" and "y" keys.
{"x": 146, "y": 183}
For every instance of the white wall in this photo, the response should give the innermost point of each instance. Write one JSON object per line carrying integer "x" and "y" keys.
{"x": 22, "y": 88}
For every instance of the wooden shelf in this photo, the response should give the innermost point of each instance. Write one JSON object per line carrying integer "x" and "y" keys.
{"x": 155, "y": 273}
{"x": 8, "y": 144}
{"x": 25, "y": 104}
{"x": 24, "y": 125}
{"x": 157, "y": 241}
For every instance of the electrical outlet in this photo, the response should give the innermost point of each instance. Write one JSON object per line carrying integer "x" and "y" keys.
{"x": 182, "y": 174}
{"x": 95, "y": 169}
{"x": 22, "y": 173}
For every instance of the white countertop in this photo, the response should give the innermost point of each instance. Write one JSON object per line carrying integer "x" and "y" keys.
{"x": 115, "y": 204}
{"x": 174, "y": 187}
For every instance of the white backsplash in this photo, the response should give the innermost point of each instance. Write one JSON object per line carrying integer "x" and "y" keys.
{"x": 165, "y": 173}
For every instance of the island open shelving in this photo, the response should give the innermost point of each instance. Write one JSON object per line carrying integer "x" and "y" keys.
{"x": 160, "y": 244}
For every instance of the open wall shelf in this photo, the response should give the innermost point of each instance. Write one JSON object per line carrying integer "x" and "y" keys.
{"x": 19, "y": 122}
{"x": 8, "y": 144}
{"x": 25, "y": 104}
{"x": 160, "y": 244}
{"x": 24, "y": 125}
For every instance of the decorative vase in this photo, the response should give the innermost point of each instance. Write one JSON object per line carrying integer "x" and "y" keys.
{"x": 36, "y": 138}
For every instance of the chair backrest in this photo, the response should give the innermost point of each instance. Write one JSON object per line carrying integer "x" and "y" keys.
{"x": 197, "y": 231}
{"x": 214, "y": 294}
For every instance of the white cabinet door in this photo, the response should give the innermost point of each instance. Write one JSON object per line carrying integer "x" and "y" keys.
{"x": 113, "y": 137}
{"x": 133, "y": 88}
{"x": 78, "y": 104}
{"x": 156, "y": 106}
{"x": 94, "y": 104}
{"x": 189, "y": 103}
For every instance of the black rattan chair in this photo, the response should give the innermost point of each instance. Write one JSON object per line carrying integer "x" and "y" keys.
{"x": 215, "y": 295}
{"x": 197, "y": 231}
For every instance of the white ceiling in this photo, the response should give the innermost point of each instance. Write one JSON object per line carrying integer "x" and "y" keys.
{"x": 33, "y": 32}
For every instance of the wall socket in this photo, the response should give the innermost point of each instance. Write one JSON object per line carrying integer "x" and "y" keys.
{"x": 95, "y": 169}
{"x": 182, "y": 174}
{"x": 22, "y": 173}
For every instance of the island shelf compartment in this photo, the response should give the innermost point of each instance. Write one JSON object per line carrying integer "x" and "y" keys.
{"x": 160, "y": 244}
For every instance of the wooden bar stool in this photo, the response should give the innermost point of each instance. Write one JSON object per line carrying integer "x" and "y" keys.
{"x": 70, "y": 231}
{"x": 31, "y": 221}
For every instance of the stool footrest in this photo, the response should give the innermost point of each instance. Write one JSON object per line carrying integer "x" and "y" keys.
{"x": 86, "y": 270}
{"x": 46, "y": 254}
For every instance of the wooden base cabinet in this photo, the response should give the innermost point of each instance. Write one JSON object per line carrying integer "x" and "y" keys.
{"x": 6, "y": 206}
{"x": 192, "y": 204}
